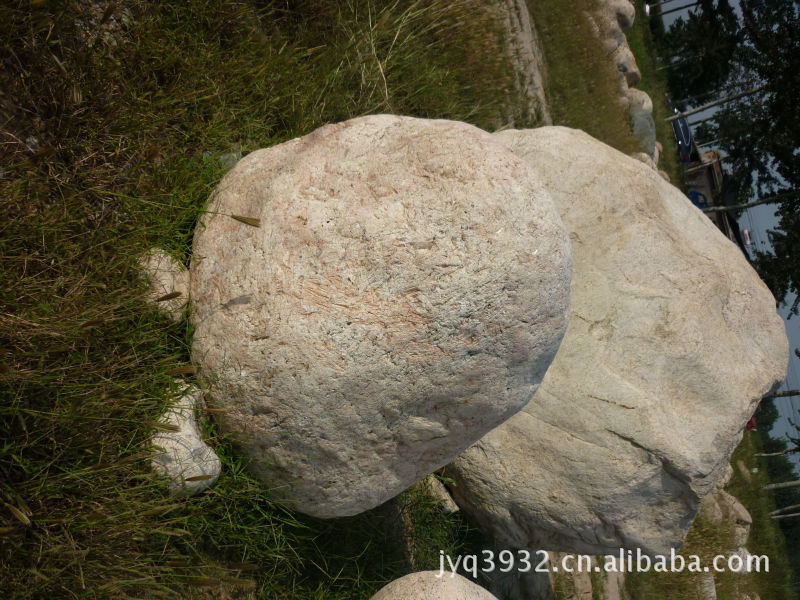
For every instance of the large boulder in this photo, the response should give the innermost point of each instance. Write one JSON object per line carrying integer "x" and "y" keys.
{"x": 432, "y": 585}
{"x": 405, "y": 292}
{"x": 673, "y": 339}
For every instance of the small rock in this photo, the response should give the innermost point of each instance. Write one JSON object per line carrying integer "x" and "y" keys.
{"x": 32, "y": 144}
{"x": 186, "y": 460}
{"x": 227, "y": 159}
{"x": 439, "y": 490}
{"x": 425, "y": 585}
{"x": 743, "y": 470}
{"x": 639, "y": 99}
{"x": 645, "y": 158}
{"x": 711, "y": 509}
{"x": 749, "y": 563}
{"x": 708, "y": 587}
{"x": 644, "y": 130}
{"x": 621, "y": 10}
{"x": 167, "y": 278}
{"x": 626, "y": 64}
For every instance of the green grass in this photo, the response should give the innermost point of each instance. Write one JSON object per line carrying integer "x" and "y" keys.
{"x": 707, "y": 540}
{"x": 654, "y": 82}
{"x": 581, "y": 86}
{"x": 766, "y": 537}
{"x": 122, "y": 121}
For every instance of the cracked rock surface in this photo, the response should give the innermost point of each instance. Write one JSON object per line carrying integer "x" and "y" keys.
{"x": 672, "y": 341}
{"x": 405, "y": 292}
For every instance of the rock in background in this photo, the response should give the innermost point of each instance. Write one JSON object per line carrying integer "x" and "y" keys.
{"x": 610, "y": 22}
{"x": 168, "y": 283}
{"x": 405, "y": 292}
{"x": 426, "y": 585}
{"x": 673, "y": 339}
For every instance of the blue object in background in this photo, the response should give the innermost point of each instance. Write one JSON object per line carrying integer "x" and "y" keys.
{"x": 698, "y": 199}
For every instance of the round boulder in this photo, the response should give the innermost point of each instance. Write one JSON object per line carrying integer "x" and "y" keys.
{"x": 372, "y": 298}
{"x": 432, "y": 585}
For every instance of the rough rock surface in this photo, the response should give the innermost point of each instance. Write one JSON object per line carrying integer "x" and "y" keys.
{"x": 185, "y": 459}
{"x": 438, "y": 490}
{"x": 524, "y": 51}
{"x": 673, "y": 338}
{"x": 405, "y": 292}
{"x": 425, "y": 585}
{"x": 644, "y": 130}
{"x": 622, "y": 11}
{"x": 167, "y": 277}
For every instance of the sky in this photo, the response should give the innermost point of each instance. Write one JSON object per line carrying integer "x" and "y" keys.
{"x": 759, "y": 220}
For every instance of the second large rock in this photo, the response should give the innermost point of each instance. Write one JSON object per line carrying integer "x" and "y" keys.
{"x": 672, "y": 341}
{"x": 405, "y": 292}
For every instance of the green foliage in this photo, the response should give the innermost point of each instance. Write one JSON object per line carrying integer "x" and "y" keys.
{"x": 716, "y": 53}
{"x": 780, "y": 268}
{"x": 707, "y": 539}
{"x": 700, "y": 47}
{"x": 766, "y": 535}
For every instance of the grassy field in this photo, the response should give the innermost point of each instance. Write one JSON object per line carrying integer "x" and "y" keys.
{"x": 580, "y": 77}
{"x": 112, "y": 122}
{"x": 582, "y": 87}
{"x": 654, "y": 82}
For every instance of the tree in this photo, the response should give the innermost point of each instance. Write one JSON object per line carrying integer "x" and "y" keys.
{"x": 780, "y": 269}
{"x": 760, "y": 134}
{"x": 704, "y": 44}
{"x": 713, "y": 50}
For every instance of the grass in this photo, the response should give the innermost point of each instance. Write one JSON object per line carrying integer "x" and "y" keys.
{"x": 766, "y": 537}
{"x": 654, "y": 82}
{"x": 582, "y": 83}
{"x": 105, "y": 118}
{"x": 582, "y": 88}
{"x": 706, "y": 540}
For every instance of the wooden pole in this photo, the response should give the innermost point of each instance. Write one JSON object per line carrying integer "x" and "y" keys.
{"x": 715, "y": 103}
{"x": 780, "y": 510}
{"x": 779, "y": 486}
